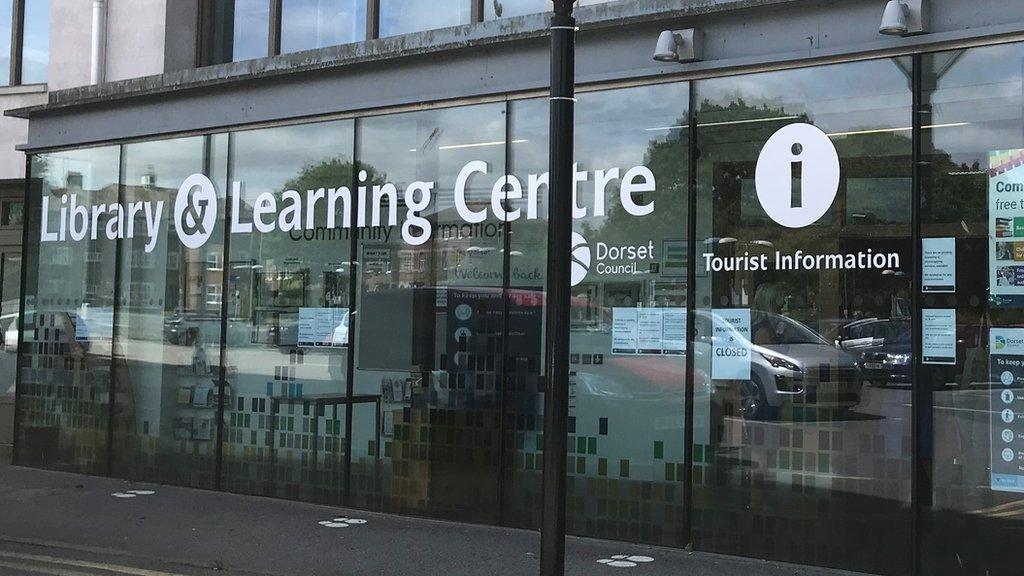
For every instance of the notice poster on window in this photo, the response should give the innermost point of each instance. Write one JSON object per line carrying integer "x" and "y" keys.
{"x": 650, "y": 331}
{"x": 730, "y": 355}
{"x": 1006, "y": 227}
{"x": 938, "y": 336}
{"x": 319, "y": 327}
{"x": 1007, "y": 408}
{"x": 938, "y": 265}
{"x": 673, "y": 339}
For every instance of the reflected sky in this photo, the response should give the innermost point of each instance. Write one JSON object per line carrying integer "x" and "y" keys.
{"x": 252, "y": 26}
{"x": 307, "y": 24}
{"x": 405, "y": 16}
{"x": 35, "y": 62}
{"x": 507, "y": 8}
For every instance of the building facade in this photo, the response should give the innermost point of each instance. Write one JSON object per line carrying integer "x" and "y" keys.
{"x": 307, "y": 261}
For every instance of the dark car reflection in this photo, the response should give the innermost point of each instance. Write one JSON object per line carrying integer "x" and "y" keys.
{"x": 884, "y": 347}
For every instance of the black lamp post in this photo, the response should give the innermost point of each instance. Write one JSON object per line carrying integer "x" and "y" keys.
{"x": 556, "y": 397}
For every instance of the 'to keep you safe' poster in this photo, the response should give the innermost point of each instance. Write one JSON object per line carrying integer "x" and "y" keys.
{"x": 1007, "y": 409}
{"x": 1006, "y": 227}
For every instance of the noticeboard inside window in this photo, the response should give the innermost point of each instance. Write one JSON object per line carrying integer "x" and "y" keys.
{"x": 281, "y": 289}
{"x": 1006, "y": 227}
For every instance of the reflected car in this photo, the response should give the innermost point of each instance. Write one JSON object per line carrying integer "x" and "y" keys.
{"x": 884, "y": 347}
{"x": 794, "y": 366}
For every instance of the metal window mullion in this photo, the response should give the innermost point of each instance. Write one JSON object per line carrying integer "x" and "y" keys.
{"x": 274, "y": 35}
{"x": 218, "y": 464}
{"x": 20, "y": 359}
{"x": 353, "y": 321}
{"x": 372, "y": 19}
{"x": 922, "y": 396}
{"x": 17, "y": 40}
{"x": 115, "y": 334}
{"x": 476, "y": 11}
{"x": 691, "y": 314}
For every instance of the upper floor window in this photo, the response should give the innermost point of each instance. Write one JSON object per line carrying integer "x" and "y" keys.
{"x": 307, "y": 24}
{"x": 245, "y": 29}
{"x": 24, "y": 41}
{"x": 405, "y": 16}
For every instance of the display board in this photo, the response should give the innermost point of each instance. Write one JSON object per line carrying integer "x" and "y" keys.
{"x": 652, "y": 331}
{"x": 319, "y": 327}
{"x": 1006, "y": 414}
{"x": 1006, "y": 227}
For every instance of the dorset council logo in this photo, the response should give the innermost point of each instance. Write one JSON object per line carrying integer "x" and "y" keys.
{"x": 580, "y": 258}
{"x": 797, "y": 175}
{"x": 195, "y": 210}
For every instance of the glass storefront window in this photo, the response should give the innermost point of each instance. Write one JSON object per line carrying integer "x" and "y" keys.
{"x": 307, "y": 24}
{"x": 627, "y": 352}
{"x": 406, "y": 16}
{"x": 288, "y": 312}
{"x": 970, "y": 202}
{"x": 431, "y": 316}
{"x": 803, "y": 314}
{"x": 65, "y": 358}
{"x": 166, "y": 331}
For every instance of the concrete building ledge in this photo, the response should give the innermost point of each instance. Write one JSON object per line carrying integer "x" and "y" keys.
{"x": 481, "y": 34}
{"x": 22, "y": 89}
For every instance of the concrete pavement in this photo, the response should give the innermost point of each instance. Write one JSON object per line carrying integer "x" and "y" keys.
{"x": 71, "y": 525}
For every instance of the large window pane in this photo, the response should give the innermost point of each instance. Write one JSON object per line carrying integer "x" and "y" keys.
{"x": 506, "y": 8}
{"x": 405, "y": 16}
{"x": 307, "y": 24}
{"x": 35, "y": 53}
{"x": 65, "y": 359}
{"x": 430, "y": 317}
{"x": 167, "y": 334}
{"x": 808, "y": 453}
{"x": 250, "y": 37}
{"x": 970, "y": 200}
{"x": 627, "y": 349}
{"x": 288, "y": 312}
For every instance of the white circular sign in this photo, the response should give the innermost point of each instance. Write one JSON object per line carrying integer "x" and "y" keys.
{"x": 580, "y": 259}
{"x": 1006, "y": 378}
{"x": 1007, "y": 435}
{"x": 195, "y": 211}
{"x": 797, "y": 175}
{"x": 463, "y": 312}
{"x": 1008, "y": 455}
{"x": 1007, "y": 396}
{"x": 1007, "y": 415}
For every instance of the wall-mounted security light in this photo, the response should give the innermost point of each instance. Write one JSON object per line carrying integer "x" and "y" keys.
{"x": 902, "y": 18}
{"x": 680, "y": 46}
